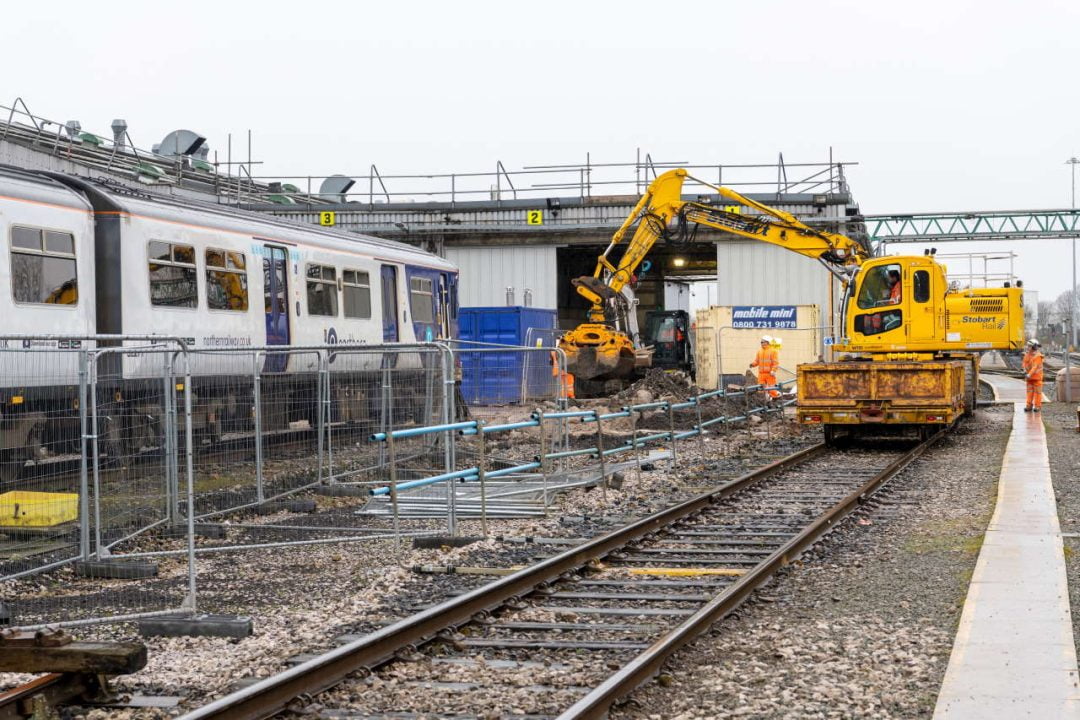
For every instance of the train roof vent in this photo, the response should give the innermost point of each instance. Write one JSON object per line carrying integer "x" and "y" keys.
{"x": 180, "y": 143}
{"x": 335, "y": 188}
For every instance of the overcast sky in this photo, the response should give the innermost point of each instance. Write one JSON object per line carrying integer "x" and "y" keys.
{"x": 945, "y": 105}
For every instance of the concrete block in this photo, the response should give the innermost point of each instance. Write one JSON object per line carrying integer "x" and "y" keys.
{"x": 233, "y": 626}
{"x": 203, "y": 530}
{"x": 244, "y": 683}
{"x": 293, "y": 506}
{"x": 1067, "y": 384}
{"x": 435, "y": 542}
{"x": 116, "y": 569}
{"x": 301, "y": 658}
{"x": 347, "y": 638}
{"x": 341, "y": 491}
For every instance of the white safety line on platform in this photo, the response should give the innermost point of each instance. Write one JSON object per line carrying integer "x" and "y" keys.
{"x": 1014, "y": 655}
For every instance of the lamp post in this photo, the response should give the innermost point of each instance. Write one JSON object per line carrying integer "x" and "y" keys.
{"x": 1073, "y": 162}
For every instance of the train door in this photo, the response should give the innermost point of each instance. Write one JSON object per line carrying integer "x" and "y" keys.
{"x": 276, "y": 303}
{"x": 388, "y": 275}
{"x": 444, "y": 306}
{"x": 923, "y": 310}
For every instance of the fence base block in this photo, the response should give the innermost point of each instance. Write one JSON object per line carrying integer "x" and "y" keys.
{"x": 231, "y": 626}
{"x": 213, "y": 532}
{"x": 293, "y": 506}
{"x": 116, "y": 569}
{"x": 341, "y": 491}
{"x": 434, "y": 542}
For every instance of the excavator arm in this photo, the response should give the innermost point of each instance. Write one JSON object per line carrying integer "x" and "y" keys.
{"x": 602, "y": 349}
{"x": 662, "y": 205}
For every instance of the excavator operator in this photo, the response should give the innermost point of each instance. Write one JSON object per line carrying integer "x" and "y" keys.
{"x": 894, "y": 287}
{"x": 767, "y": 363}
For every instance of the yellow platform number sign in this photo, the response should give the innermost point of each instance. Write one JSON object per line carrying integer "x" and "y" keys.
{"x": 534, "y": 217}
{"x": 329, "y": 219}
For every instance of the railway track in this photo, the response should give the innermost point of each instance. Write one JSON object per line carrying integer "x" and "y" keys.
{"x": 569, "y": 636}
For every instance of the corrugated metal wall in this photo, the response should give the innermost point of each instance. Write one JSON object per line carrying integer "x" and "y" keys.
{"x": 755, "y": 273}
{"x": 486, "y": 272}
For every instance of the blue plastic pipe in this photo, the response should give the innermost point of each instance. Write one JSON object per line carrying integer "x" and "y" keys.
{"x": 511, "y": 470}
{"x": 607, "y": 416}
{"x": 569, "y": 453}
{"x": 564, "y": 414}
{"x": 503, "y": 428}
{"x": 647, "y": 406}
{"x": 467, "y": 474}
{"x": 429, "y": 430}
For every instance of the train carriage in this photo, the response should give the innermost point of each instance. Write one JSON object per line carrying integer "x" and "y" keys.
{"x": 88, "y": 258}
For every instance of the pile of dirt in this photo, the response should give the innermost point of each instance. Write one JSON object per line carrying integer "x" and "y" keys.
{"x": 659, "y": 385}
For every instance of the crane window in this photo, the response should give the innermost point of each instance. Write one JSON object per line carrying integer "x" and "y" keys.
{"x": 880, "y": 286}
{"x": 322, "y": 290}
{"x": 356, "y": 295}
{"x": 173, "y": 281}
{"x": 43, "y": 267}
{"x": 879, "y": 322}
{"x": 921, "y": 283}
{"x": 226, "y": 280}
{"x": 421, "y": 300}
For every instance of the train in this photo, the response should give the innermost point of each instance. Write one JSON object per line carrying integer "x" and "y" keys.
{"x": 88, "y": 258}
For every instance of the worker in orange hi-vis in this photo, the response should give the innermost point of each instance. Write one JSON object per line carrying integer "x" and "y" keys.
{"x": 1033, "y": 372}
{"x": 567, "y": 379}
{"x": 767, "y": 363}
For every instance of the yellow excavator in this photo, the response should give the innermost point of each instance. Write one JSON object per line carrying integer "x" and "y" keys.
{"x": 909, "y": 340}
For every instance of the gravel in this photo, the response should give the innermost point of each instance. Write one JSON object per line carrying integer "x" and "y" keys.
{"x": 832, "y": 635}
{"x": 863, "y": 625}
{"x": 301, "y": 599}
{"x": 1063, "y": 445}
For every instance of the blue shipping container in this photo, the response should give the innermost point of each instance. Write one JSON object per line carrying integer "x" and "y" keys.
{"x": 497, "y": 378}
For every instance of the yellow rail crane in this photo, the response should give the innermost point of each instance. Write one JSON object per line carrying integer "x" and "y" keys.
{"x": 908, "y": 356}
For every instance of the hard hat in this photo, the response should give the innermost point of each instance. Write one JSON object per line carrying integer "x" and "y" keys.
{"x": 766, "y": 338}
{"x": 776, "y": 341}
{"x": 1033, "y": 342}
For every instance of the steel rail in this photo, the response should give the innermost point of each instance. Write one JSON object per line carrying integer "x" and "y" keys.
{"x": 44, "y": 693}
{"x": 648, "y": 663}
{"x": 274, "y": 694}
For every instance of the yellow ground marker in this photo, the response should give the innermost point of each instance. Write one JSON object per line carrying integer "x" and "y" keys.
{"x": 687, "y": 572}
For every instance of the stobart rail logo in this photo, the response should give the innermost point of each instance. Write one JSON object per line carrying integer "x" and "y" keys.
{"x": 986, "y": 323}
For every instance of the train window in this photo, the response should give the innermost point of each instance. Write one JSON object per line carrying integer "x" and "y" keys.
{"x": 420, "y": 300}
{"x": 880, "y": 286}
{"x": 357, "y": 294}
{"x": 173, "y": 278}
{"x": 226, "y": 281}
{"x": 43, "y": 267}
{"x": 321, "y": 290}
{"x": 921, "y": 281}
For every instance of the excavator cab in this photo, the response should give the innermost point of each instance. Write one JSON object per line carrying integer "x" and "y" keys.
{"x": 897, "y": 302}
{"x": 668, "y": 332}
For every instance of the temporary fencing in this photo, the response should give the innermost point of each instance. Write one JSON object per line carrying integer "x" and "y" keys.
{"x": 117, "y": 452}
{"x": 484, "y": 485}
{"x": 123, "y": 455}
{"x": 88, "y": 469}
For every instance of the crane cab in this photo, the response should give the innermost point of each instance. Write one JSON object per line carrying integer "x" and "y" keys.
{"x": 896, "y": 304}
{"x": 904, "y": 305}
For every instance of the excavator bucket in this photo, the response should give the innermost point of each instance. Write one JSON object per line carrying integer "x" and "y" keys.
{"x": 596, "y": 352}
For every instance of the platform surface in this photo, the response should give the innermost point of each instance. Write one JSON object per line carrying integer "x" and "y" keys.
{"x": 1007, "y": 389}
{"x": 1014, "y": 655}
